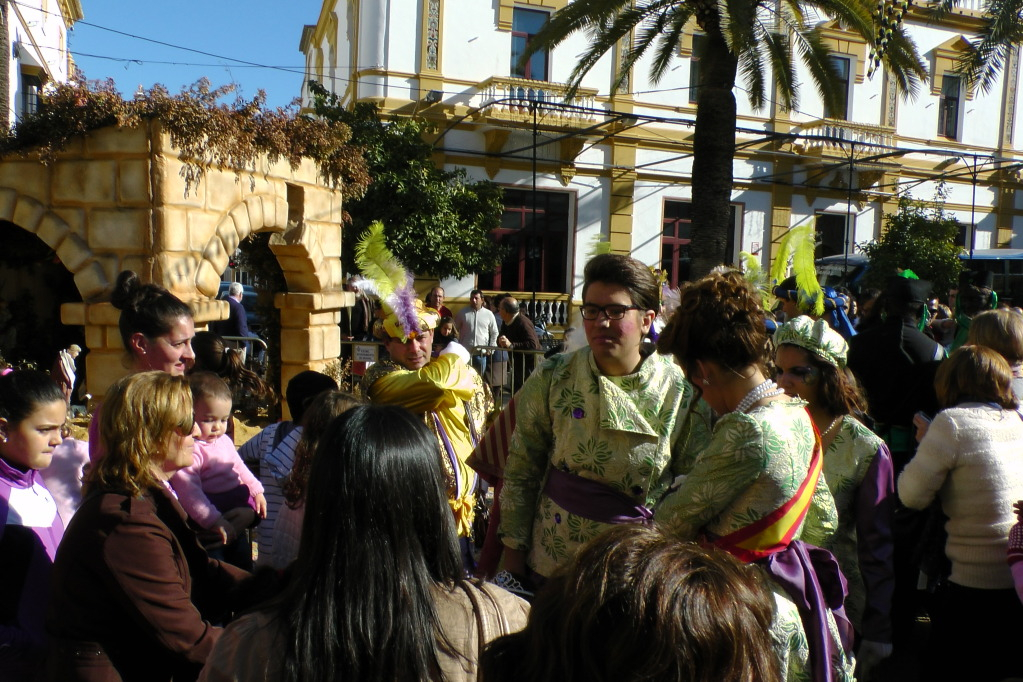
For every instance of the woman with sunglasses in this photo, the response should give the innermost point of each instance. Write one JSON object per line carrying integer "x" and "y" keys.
{"x": 134, "y": 593}
{"x": 810, "y": 364}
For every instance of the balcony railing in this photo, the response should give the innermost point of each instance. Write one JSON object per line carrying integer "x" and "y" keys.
{"x": 516, "y": 97}
{"x": 832, "y": 133}
{"x": 553, "y": 310}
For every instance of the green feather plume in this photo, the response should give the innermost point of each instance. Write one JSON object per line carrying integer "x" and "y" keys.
{"x": 800, "y": 243}
{"x": 756, "y": 276}
{"x": 377, "y": 263}
{"x": 598, "y": 248}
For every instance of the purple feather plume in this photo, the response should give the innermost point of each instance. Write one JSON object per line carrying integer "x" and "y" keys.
{"x": 404, "y": 303}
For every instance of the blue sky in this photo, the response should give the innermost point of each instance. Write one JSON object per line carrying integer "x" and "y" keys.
{"x": 264, "y": 32}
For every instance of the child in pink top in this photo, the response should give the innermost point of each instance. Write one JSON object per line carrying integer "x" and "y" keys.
{"x": 218, "y": 481}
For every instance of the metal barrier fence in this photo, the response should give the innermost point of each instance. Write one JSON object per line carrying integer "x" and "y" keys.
{"x": 505, "y": 369}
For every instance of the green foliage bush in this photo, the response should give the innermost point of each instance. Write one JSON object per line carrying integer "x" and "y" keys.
{"x": 436, "y": 222}
{"x": 919, "y": 237}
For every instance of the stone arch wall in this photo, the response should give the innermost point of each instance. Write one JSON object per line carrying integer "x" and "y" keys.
{"x": 116, "y": 199}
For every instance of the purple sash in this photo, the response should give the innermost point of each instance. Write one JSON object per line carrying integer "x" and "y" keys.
{"x": 812, "y": 579}
{"x": 593, "y": 500}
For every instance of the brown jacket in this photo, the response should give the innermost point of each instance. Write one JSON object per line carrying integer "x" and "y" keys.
{"x": 251, "y": 650}
{"x": 134, "y": 593}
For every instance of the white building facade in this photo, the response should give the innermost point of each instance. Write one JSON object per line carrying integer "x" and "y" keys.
{"x": 35, "y": 52}
{"x": 617, "y": 165}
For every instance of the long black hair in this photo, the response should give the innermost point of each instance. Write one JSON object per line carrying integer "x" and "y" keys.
{"x": 378, "y": 536}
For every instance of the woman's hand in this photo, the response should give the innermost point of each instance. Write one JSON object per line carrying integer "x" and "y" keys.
{"x": 922, "y": 423}
{"x": 227, "y": 532}
{"x": 260, "y": 505}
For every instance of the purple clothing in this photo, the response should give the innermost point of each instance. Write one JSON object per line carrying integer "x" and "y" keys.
{"x": 216, "y": 469}
{"x": 875, "y": 507}
{"x": 63, "y": 478}
{"x": 29, "y": 537}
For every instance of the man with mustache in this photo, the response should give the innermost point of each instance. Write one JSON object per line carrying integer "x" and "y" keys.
{"x": 445, "y": 391}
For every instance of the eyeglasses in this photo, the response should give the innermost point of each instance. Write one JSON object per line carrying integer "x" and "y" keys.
{"x": 806, "y": 374}
{"x": 611, "y": 312}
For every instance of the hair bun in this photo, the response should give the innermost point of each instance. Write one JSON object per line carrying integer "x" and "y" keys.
{"x": 127, "y": 291}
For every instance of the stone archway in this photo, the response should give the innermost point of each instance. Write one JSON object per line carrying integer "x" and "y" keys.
{"x": 116, "y": 199}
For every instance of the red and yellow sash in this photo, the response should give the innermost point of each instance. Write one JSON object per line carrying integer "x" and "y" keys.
{"x": 775, "y": 531}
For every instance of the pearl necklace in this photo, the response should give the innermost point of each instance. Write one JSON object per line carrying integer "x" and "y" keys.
{"x": 768, "y": 389}
{"x": 833, "y": 424}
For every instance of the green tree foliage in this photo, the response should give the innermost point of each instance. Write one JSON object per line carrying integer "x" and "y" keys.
{"x": 919, "y": 237}
{"x": 437, "y": 222}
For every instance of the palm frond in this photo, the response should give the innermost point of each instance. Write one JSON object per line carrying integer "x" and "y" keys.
{"x": 902, "y": 60}
{"x": 1002, "y": 30}
{"x": 666, "y": 49}
{"x": 779, "y": 52}
{"x": 817, "y": 57}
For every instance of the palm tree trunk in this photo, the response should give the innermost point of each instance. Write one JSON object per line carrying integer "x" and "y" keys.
{"x": 713, "y": 153}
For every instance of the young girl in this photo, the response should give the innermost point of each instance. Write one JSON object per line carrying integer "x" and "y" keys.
{"x": 218, "y": 482}
{"x": 32, "y": 411}
{"x": 445, "y": 334}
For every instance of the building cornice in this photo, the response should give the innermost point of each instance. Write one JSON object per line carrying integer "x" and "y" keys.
{"x": 71, "y": 10}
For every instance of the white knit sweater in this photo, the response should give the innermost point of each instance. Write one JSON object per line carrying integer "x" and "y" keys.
{"x": 972, "y": 458}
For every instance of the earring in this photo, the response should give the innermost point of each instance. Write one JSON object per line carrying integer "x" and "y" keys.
{"x": 706, "y": 382}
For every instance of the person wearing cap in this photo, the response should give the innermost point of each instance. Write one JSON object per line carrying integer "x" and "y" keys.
{"x": 976, "y": 294}
{"x": 810, "y": 364}
{"x": 895, "y": 364}
{"x": 795, "y": 302}
{"x": 445, "y": 390}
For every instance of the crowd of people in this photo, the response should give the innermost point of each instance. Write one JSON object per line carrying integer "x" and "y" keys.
{"x": 736, "y": 497}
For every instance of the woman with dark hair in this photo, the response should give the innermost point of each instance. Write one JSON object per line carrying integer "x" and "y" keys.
{"x": 810, "y": 364}
{"x": 213, "y": 355}
{"x": 32, "y": 411}
{"x": 970, "y": 460}
{"x": 156, "y": 330}
{"x": 288, "y": 529}
{"x": 753, "y": 491}
{"x": 378, "y": 591}
{"x": 134, "y": 593}
{"x": 638, "y": 604}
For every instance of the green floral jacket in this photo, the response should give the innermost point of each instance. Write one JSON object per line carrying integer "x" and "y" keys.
{"x": 634, "y": 433}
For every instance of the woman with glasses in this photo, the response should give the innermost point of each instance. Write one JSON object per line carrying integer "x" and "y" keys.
{"x": 755, "y": 490}
{"x": 600, "y": 432}
{"x": 135, "y": 595}
{"x": 810, "y": 364}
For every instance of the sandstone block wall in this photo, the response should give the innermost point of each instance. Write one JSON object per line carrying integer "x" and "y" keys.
{"x": 116, "y": 199}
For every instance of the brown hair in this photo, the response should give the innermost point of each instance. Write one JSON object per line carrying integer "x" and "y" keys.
{"x": 974, "y": 374}
{"x": 213, "y": 355}
{"x": 207, "y": 385}
{"x": 141, "y": 412}
{"x": 319, "y": 415}
{"x": 638, "y": 604}
{"x": 626, "y": 272}
{"x": 719, "y": 318}
{"x": 1001, "y": 331}
{"x": 146, "y": 308}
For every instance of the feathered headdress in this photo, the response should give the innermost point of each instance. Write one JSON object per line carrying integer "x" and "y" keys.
{"x": 799, "y": 242}
{"x": 383, "y": 275}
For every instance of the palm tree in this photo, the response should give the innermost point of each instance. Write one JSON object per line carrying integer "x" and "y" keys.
{"x": 751, "y": 38}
